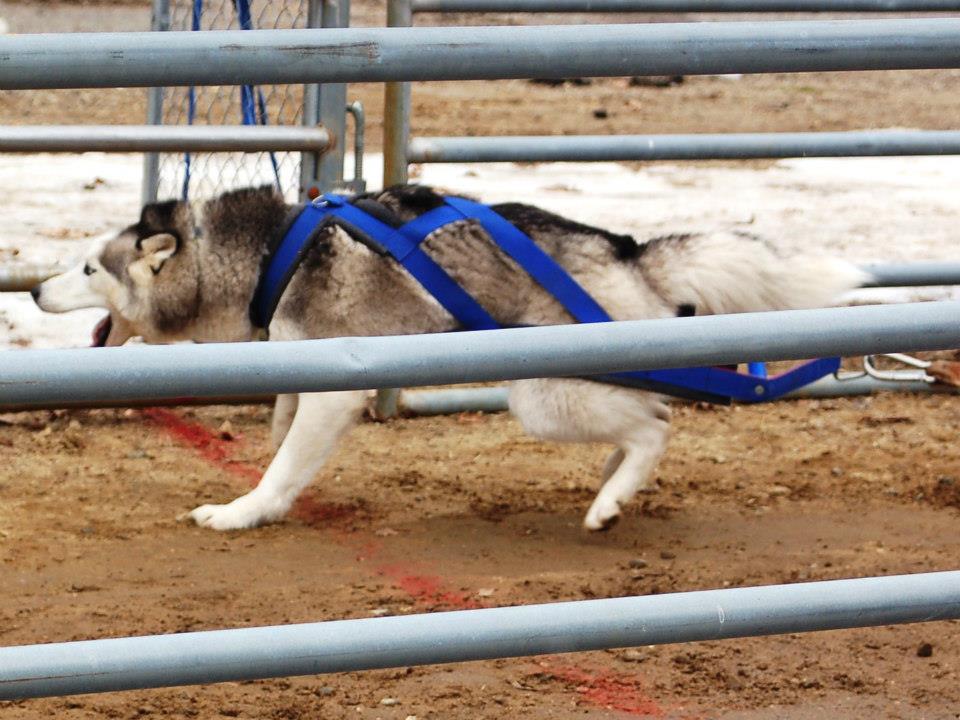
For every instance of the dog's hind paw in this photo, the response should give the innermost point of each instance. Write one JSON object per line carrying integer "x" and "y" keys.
{"x": 237, "y": 515}
{"x": 602, "y": 515}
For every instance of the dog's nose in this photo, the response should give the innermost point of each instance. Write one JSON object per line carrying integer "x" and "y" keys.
{"x": 35, "y": 293}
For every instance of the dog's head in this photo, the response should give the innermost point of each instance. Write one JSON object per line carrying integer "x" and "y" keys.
{"x": 145, "y": 276}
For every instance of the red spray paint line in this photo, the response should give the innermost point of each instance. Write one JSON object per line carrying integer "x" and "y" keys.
{"x": 607, "y": 689}
{"x": 216, "y": 450}
{"x": 615, "y": 691}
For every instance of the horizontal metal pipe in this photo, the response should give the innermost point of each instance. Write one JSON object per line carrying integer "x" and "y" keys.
{"x": 21, "y": 277}
{"x": 913, "y": 274}
{"x": 449, "y": 401}
{"x": 341, "y": 55}
{"x": 241, "y": 369}
{"x": 682, "y": 6}
{"x": 735, "y": 146}
{"x": 160, "y": 138}
{"x": 350, "y": 645}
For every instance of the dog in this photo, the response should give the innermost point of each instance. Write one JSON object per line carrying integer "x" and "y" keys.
{"x": 187, "y": 272}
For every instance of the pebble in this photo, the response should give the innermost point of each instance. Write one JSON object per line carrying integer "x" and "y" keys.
{"x": 601, "y": 113}
{"x": 326, "y": 690}
{"x": 633, "y": 655}
{"x": 667, "y": 555}
{"x": 638, "y": 563}
{"x": 925, "y": 650}
{"x": 389, "y": 701}
{"x": 226, "y": 431}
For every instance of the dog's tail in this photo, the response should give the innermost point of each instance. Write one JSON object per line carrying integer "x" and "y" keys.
{"x": 729, "y": 273}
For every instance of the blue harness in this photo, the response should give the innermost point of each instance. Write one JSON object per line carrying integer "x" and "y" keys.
{"x": 712, "y": 384}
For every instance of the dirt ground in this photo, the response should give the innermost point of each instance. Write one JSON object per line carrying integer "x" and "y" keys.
{"x": 426, "y": 514}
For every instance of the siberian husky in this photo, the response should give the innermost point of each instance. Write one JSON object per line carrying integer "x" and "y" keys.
{"x": 188, "y": 272}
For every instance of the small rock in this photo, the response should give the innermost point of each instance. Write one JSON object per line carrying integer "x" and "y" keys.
{"x": 326, "y": 690}
{"x": 389, "y": 701}
{"x": 485, "y": 592}
{"x": 74, "y": 425}
{"x": 410, "y": 717}
{"x": 667, "y": 555}
{"x": 836, "y": 471}
{"x": 638, "y": 563}
{"x": 226, "y": 431}
{"x": 601, "y": 114}
{"x": 778, "y": 490}
{"x": 633, "y": 655}
{"x": 925, "y": 650}
{"x": 385, "y": 532}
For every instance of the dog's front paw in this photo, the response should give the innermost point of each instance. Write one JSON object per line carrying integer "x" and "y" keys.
{"x": 603, "y": 514}
{"x": 240, "y": 514}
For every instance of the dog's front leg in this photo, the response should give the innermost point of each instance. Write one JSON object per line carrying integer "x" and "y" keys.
{"x": 320, "y": 421}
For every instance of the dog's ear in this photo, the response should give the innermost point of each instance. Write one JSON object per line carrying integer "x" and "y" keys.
{"x": 158, "y": 216}
{"x": 157, "y": 249}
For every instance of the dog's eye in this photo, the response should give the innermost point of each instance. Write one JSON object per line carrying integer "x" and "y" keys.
{"x": 87, "y": 270}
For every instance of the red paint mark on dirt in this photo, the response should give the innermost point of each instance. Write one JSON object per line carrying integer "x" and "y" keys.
{"x": 208, "y": 444}
{"x": 216, "y": 450}
{"x": 608, "y": 689}
{"x": 601, "y": 688}
{"x": 427, "y": 589}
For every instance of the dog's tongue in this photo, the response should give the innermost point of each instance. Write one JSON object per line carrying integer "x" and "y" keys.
{"x": 102, "y": 331}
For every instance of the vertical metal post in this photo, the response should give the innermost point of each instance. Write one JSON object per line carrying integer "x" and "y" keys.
{"x": 396, "y": 111}
{"x": 159, "y": 22}
{"x": 332, "y": 107}
{"x": 311, "y": 109}
{"x": 396, "y": 135}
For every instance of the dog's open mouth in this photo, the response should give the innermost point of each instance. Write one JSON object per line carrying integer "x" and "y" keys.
{"x": 102, "y": 331}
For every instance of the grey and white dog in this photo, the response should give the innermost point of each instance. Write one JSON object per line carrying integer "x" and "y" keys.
{"x": 188, "y": 272}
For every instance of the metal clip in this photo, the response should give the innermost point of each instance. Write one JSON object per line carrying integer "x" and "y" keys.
{"x": 917, "y": 375}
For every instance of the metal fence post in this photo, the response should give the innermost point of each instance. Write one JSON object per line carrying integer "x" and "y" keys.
{"x": 396, "y": 111}
{"x": 159, "y": 22}
{"x": 396, "y": 135}
{"x": 311, "y": 109}
{"x": 331, "y": 107}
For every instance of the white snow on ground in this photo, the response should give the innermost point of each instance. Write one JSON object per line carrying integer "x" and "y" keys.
{"x": 864, "y": 209}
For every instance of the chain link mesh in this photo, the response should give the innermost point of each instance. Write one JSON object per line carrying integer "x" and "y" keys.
{"x": 214, "y": 173}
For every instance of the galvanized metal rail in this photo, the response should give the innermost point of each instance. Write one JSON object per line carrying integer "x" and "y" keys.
{"x": 682, "y": 6}
{"x": 160, "y": 138}
{"x": 475, "y": 53}
{"x": 348, "y": 645}
{"x": 239, "y": 369}
{"x": 722, "y": 146}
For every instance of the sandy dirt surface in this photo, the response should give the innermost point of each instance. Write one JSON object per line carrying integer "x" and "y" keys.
{"x": 431, "y": 514}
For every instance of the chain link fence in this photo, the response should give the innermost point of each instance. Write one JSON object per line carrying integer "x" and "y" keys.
{"x": 208, "y": 174}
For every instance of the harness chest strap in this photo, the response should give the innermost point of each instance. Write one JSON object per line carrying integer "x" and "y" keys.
{"x": 718, "y": 385}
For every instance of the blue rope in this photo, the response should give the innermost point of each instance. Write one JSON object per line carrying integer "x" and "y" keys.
{"x": 191, "y": 100}
{"x": 251, "y": 98}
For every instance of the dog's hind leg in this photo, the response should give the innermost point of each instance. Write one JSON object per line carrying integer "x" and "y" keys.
{"x": 640, "y": 455}
{"x": 283, "y": 411}
{"x": 636, "y": 422}
{"x": 321, "y": 419}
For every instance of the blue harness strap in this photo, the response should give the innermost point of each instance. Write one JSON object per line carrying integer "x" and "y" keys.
{"x": 713, "y": 384}
{"x": 406, "y": 251}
